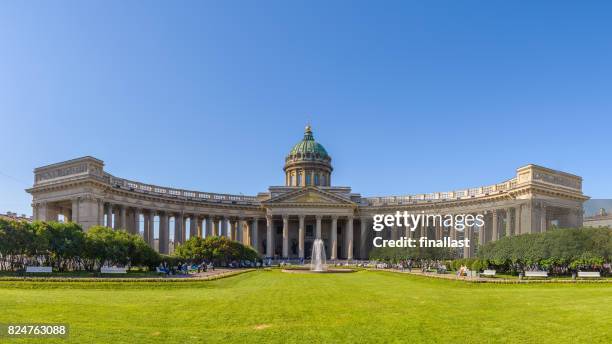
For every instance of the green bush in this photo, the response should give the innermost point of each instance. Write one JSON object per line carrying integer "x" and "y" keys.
{"x": 219, "y": 250}
{"x": 554, "y": 250}
{"x": 65, "y": 246}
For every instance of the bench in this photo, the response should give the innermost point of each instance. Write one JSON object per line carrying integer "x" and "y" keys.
{"x": 488, "y": 273}
{"x": 112, "y": 270}
{"x": 589, "y": 274}
{"x": 39, "y": 269}
{"x": 542, "y": 274}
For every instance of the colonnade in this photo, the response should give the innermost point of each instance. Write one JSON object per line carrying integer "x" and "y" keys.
{"x": 513, "y": 219}
{"x": 118, "y": 216}
{"x": 335, "y": 224}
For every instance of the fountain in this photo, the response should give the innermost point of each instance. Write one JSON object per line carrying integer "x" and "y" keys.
{"x": 318, "y": 259}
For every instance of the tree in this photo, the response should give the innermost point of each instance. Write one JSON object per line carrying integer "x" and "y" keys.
{"x": 219, "y": 250}
{"x": 557, "y": 250}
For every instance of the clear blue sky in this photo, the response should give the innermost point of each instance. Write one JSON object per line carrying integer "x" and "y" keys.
{"x": 407, "y": 97}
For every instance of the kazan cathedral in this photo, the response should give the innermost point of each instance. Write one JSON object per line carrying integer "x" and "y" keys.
{"x": 282, "y": 222}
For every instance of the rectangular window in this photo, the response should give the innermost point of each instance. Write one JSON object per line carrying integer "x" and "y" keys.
{"x": 308, "y": 179}
{"x": 316, "y": 181}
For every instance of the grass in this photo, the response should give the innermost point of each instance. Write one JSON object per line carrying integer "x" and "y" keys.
{"x": 276, "y": 307}
{"x": 129, "y": 274}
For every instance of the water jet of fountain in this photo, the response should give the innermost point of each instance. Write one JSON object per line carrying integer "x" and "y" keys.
{"x": 318, "y": 260}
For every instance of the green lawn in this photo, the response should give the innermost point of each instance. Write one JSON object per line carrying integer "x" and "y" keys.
{"x": 271, "y": 306}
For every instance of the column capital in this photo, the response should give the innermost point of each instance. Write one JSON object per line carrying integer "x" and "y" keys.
{"x": 301, "y": 217}
{"x": 318, "y": 217}
{"x": 334, "y": 217}
{"x": 285, "y": 217}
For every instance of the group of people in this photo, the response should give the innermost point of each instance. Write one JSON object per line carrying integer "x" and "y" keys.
{"x": 246, "y": 264}
{"x": 184, "y": 268}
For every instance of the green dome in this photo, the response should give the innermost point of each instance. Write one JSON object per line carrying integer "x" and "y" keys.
{"x": 308, "y": 147}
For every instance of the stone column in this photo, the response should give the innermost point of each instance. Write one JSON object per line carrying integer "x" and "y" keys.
{"x": 527, "y": 217}
{"x": 269, "y": 243}
{"x": 209, "y": 226}
{"x": 136, "y": 221}
{"x": 517, "y": 220}
{"x": 145, "y": 227}
{"x": 232, "y": 230}
{"x": 164, "y": 231}
{"x": 215, "y": 224}
{"x": 364, "y": 238}
{"x": 394, "y": 232}
{"x": 301, "y": 236}
{"x": 482, "y": 231}
{"x": 495, "y": 226}
{"x": 508, "y": 222}
{"x": 254, "y": 236}
{"x": 349, "y": 238}
{"x": 334, "y": 238}
{"x": 195, "y": 226}
{"x": 467, "y": 234}
{"x": 240, "y": 234}
{"x": 75, "y": 210}
{"x": 285, "y": 236}
{"x": 543, "y": 223}
{"x": 109, "y": 216}
{"x": 123, "y": 224}
{"x": 318, "y": 228}
{"x": 151, "y": 237}
{"x": 223, "y": 227}
{"x": 100, "y": 212}
{"x": 178, "y": 229}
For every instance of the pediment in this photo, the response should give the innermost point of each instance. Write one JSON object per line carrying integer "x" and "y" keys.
{"x": 309, "y": 196}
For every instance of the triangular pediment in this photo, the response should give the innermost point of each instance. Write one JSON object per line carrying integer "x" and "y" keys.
{"x": 309, "y": 196}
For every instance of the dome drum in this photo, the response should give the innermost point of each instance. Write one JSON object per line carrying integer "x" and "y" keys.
{"x": 308, "y": 163}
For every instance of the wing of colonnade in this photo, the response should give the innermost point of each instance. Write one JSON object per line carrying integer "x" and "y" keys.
{"x": 282, "y": 222}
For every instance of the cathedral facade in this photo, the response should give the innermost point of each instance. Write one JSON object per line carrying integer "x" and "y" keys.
{"x": 282, "y": 222}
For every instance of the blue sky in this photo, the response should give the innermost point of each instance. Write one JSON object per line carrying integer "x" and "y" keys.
{"x": 407, "y": 97}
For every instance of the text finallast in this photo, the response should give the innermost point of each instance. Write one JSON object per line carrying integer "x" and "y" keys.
{"x": 413, "y": 221}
